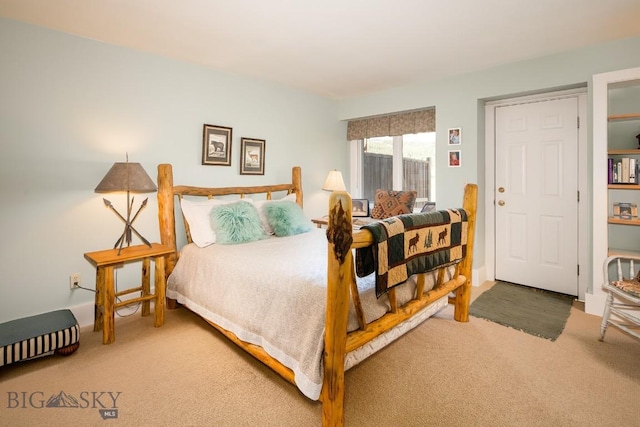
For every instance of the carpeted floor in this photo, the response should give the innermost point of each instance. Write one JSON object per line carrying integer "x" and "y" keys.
{"x": 534, "y": 311}
{"x": 443, "y": 373}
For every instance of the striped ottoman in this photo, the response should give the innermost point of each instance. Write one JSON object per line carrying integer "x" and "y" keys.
{"x": 39, "y": 335}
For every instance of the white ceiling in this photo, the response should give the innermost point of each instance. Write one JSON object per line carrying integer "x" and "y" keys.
{"x": 340, "y": 48}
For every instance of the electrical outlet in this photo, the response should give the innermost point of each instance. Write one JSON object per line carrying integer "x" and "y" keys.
{"x": 74, "y": 280}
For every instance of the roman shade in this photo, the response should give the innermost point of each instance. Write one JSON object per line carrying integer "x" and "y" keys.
{"x": 392, "y": 124}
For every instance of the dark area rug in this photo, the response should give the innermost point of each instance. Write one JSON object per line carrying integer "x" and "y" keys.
{"x": 534, "y": 311}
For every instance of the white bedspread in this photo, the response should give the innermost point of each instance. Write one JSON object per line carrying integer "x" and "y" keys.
{"x": 271, "y": 293}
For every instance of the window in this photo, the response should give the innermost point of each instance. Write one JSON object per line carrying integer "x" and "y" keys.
{"x": 405, "y": 162}
{"x": 395, "y": 151}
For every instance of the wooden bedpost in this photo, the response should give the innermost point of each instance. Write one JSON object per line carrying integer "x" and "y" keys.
{"x": 166, "y": 216}
{"x": 463, "y": 293}
{"x": 296, "y": 180}
{"x": 340, "y": 265}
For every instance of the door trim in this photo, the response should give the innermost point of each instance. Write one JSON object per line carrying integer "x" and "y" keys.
{"x": 584, "y": 237}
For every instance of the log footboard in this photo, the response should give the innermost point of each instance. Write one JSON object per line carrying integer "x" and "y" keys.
{"x": 341, "y": 290}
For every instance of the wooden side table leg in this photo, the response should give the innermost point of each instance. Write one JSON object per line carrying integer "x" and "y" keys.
{"x": 146, "y": 285}
{"x": 160, "y": 284}
{"x": 98, "y": 310}
{"x": 108, "y": 299}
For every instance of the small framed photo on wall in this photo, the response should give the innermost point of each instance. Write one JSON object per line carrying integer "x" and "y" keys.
{"x": 455, "y": 158}
{"x": 252, "y": 156}
{"x": 455, "y": 136}
{"x": 216, "y": 145}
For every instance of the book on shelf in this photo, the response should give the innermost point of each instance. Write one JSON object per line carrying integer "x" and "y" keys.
{"x": 625, "y": 210}
{"x": 625, "y": 170}
{"x": 624, "y": 176}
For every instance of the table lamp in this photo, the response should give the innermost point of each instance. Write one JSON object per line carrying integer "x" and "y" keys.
{"x": 334, "y": 182}
{"x": 132, "y": 178}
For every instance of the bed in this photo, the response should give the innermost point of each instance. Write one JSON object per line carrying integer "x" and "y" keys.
{"x": 296, "y": 300}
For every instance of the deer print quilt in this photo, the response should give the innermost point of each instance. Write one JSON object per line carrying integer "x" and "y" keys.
{"x": 412, "y": 243}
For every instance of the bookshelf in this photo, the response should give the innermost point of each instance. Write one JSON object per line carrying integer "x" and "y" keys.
{"x": 624, "y": 186}
{"x": 625, "y": 152}
{"x": 622, "y": 147}
{"x": 621, "y": 221}
{"x": 616, "y": 122}
{"x": 620, "y": 117}
{"x": 622, "y": 252}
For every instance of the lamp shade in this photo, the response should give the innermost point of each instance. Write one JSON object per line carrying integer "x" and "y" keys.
{"x": 126, "y": 177}
{"x": 334, "y": 182}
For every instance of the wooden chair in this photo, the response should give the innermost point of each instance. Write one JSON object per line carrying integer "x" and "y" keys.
{"x": 623, "y": 300}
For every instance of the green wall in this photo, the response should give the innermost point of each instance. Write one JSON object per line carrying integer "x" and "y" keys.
{"x": 70, "y": 107}
{"x": 459, "y": 102}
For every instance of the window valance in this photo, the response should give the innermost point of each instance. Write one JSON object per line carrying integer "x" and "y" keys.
{"x": 392, "y": 124}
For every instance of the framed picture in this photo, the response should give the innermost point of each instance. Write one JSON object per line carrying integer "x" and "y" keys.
{"x": 252, "y": 156}
{"x": 359, "y": 207}
{"x": 455, "y": 158}
{"x": 455, "y": 136}
{"x": 625, "y": 210}
{"x": 216, "y": 145}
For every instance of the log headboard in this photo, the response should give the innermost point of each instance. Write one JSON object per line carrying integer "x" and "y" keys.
{"x": 167, "y": 193}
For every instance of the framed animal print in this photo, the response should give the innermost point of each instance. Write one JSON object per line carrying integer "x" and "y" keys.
{"x": 216, "y": 145}
{"x": 359, "y": 207}
{"x": 252, "y": 156}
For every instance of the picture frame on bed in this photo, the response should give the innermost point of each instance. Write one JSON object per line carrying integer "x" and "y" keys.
{"x": 252, "y": 156}
{"x": 359, "y": 207}
{"x": 216, "y": 145}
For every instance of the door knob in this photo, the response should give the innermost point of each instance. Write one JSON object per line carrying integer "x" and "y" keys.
{"x": 501, "y": 202}
{"x": 500, "y": 189}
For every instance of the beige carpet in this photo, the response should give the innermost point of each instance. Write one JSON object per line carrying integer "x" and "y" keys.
{"x": 443, "y": 373}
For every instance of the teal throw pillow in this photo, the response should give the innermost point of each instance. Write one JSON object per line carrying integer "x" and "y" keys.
{"x": 237, "y": 222}
{"x": 286, "y": 218}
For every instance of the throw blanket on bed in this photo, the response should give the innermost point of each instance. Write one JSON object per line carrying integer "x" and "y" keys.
{"x": 412, "y": 243}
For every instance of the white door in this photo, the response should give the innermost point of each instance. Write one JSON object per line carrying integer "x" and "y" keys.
{"x": 536, "y": 194}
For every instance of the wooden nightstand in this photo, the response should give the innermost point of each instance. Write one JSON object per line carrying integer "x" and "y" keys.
{"x": 319, "y": 222}
{"x": 357, "y": 222}
{"x": 105, "y": 303}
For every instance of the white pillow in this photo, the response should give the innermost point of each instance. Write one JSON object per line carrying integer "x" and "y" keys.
{"x": 260, "y": 204}
{"x": 197, "y": 214}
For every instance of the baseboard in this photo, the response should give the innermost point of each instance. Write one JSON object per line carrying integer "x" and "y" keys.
{"x": 594, "y": 304}
{"x": 83, "y": 313}
{"x": 478, "y": 276}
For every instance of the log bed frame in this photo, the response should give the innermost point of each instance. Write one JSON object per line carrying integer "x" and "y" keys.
{"x": 341, "y": 288}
